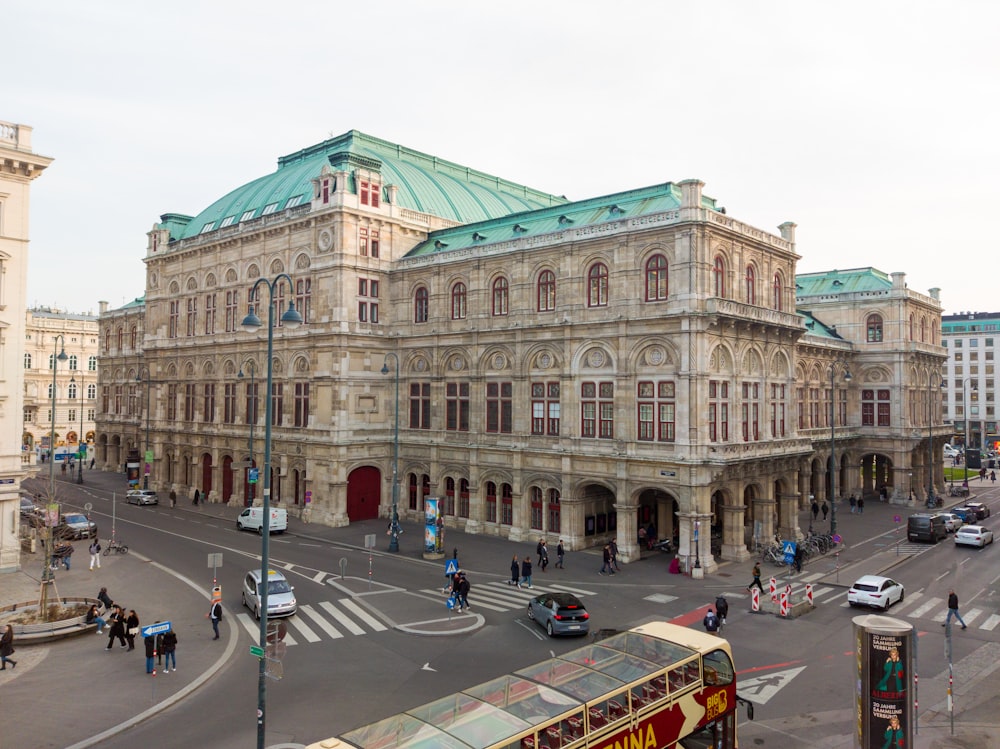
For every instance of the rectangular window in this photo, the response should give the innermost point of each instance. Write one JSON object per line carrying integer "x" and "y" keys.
{"x": 491, "y": 503}
{"x": 457, "y": 406}
{"x": 173, "y": 319}
{"x": 132, "y": 401}
{"x": 229, "y": 404}
{"x": 545, "y": 410}
{"x": 777, "y": 410}
{"x": 210, "y": 314}
{"x": 507, "y": 506}
{"x": 373, "y": 312}
{"x": 362, "y": 311}
{"x": 232, "y": 311}
{"x": 277, "y": 403}
{"x": 105, "y": 398}
{"x": 192, "y": 316}
{"x": 369, "y": 193}
{"x": 303, "y": 298}
{"x": 657, "y": 411}
{"x": 301, "y": 404}
{"x": 189, "y": 398}
{"x": 536, "y": 508}
{"x": 876, "y": 408}
{"x": 718, "y": 411}
{"x": 420, "y": 405}
{"x": 363, "y": 242}
{"x": 499, "y": 407}
{"x": 171, "y": 403}
{"x": 209, "y": 415}
{"x": 373, "y": 244}
{"x": 253, "y": 403}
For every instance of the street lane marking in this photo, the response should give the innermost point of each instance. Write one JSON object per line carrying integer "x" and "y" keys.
{"x": 363, "y": 615}
{"x": 577, "y": 591}
{"x": 910, "y": 599}
{"x": 302, "y": 627}
{"x": 477, "y": 598}
{"x": 253, "y": 628}
{"x": 333, "y": 611}
{"x": 309, "y": 611}
{"x": 319, "y": 577}
{"x": 991, "y": 623}
{"x": 930, "y": 604}
{"x": 761, "y": 689}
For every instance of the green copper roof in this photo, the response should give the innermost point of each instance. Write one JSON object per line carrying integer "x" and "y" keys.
{"x": 816, "y": 327}
{"x": 425, "y": 183}
{"x": 622, "y": 206}
{"x": 841, "y": 282}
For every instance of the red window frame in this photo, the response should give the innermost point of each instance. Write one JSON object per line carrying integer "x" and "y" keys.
{"x": 718, "y": 411}
{"x": 457, "y": 406}
{"x": 420, "y": 304}
{"x": 506, "y": 505}
{"x": 777, "y": 291}
{"x": 751, "y": 285}
{"x": 554, "y": 511}
{"x": 597, "y": 285}
{"x": 449, "y": 497}
{"x": 463, "y": 498}
{"x": 719, "y": 276}
{"x": 491, "y": 502}
{"x": 546, "y": 291}
{"x": 420, "y": 405}
{"x": 545, "y": 408}
{"x": 499, "y": 407}
{"x": 501, "y": 297}
{"x": 874, "y": 329}
{"x": 657, "y": 278}
{"x": 536, "y": 508}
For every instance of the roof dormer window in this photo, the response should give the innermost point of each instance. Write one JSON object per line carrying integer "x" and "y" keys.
{"x": 247, "y": 215}
{"x": 292, "y": 202}
{"x": 269, "y": 209}
{"x": 370, "y": 192}
{"x": 207, "y": 227}
{"x": 227, "y": 221}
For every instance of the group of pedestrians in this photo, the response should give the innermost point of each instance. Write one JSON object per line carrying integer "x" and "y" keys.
{"x": 609, "y": 557}
{"x": 858, "y": 504}
{"x": 459, "y": 591}
{"x": 110, "y": 616}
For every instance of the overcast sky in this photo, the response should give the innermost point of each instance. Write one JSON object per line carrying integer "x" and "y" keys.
{"x": 872, "y": 125}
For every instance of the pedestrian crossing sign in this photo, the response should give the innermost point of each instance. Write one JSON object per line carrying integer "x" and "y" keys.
{"x": 450, "y": 566}
{"x": 788, "y": 547}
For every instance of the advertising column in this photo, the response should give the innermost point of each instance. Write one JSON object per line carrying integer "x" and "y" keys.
{"x": 884, "y": 652}
{"x": 433, "y": 529}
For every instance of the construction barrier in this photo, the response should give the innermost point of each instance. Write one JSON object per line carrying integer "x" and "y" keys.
{"x": 784, "y": 604}
{"x": 809, "y": 593}
{"x": 774, "y": 589}
{"x": 754, "y": 599}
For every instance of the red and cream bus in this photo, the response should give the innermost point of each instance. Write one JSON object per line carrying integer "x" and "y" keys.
{"x": 655, "y": 686}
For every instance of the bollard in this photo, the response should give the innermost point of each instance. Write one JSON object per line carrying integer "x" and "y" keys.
{"x": 784, "y": 604}
{"x": 754, "y": 599}
{"x": 774, "y": 589}
{"x": 809, "y": 593}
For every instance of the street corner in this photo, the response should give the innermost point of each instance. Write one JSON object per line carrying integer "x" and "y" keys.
{"x": 419, "y": 613}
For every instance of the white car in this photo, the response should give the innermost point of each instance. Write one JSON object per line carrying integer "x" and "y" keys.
{"x": 950, "y": 452}
{"x": 973, "y": 535}
{"x": 875, "y": 591}
{"x": 952, "y": 522}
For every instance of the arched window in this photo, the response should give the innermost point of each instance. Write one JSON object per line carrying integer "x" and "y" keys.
{"x": 923, "y": 330}
{"x": 656, "y": 279}
{"x": 555, "y": 521}
{"x": 491, "y": 502}
{"x": 121, "y": 338}
{"x": 874, "y": 328}
{"x": 91, "y": 391}
{"x": 597, "y": 285}
{"x": 719, "y": 276}
{"x": 751, "y": 285}
{"x": 458, "y": 297}
{"x": 27, "y": 361}
{"x": 777, "y": 291}
{"x": 107, "y": 340}
{"x": 72, "y": 391}
{"x": 911, "y": 326}
{"x": 546, "y": 291}
{"x": 72, "y": 361}
{"x": 420, "y": 304}
{"x": 50, "y": 391}
{"x": 133, "y": 336}
{"x": 449, "y": 496}
{"x": 500, "y": 292}
{"x": 463, "y": 498}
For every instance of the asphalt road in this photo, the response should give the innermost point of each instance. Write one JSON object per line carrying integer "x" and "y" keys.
{"x": 798, "y": 672}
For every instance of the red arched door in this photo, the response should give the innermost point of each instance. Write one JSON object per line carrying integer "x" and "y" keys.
{"x": 364, "y": 493}
{"x": 206, "y": 476}
{"x": 227, "y": 478}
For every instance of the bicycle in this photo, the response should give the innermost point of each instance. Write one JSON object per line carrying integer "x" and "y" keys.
{"x": 116, "y": 547}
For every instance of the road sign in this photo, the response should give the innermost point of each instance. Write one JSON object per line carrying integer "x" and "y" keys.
{"x": 154, "y": 629}
{"x": 215, "y": 559}
{"x": 450, "y": 566}
{"x": 788, "y": 547}
{"x": 258, "y": 651}
{"x": 254, "y": 472}
{"x": 369, "y": 540}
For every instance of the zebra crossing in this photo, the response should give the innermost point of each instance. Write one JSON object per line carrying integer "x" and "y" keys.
{"x": 499, "y": 596}
{"x": 916, "y": 605}
{"x": 334, "y": 619}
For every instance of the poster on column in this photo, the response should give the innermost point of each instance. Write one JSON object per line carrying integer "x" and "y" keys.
{"x": 432, "y": 541}
{"x": 883, "y": 652}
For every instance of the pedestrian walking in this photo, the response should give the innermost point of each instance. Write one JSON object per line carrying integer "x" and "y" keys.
{"x": 515, "y": 572}
{"x": 105, "y": 600}
{"x": 95, "y": 554}
{"x": 560, "y": 555}
{"x": 173, "y": 499}
{"x": 953, "y": 610}
{"x": 526, "y": 571}
{"x": 464, "y": 586}
{"x": 149, "y": 641}
{"x": 861, "y": 505}
{"x": 215, "y": 614}
{"x": 756, "y": 578}
{"x": 92, "y": 463}
{"x": 606, "y": 557}
{"x": 197, "y": 494}
{"x": 131, "y": 628}
{"x": 815, "y": 509}
{"x": 799, "y": 556}
{"x": 993, "y": 476}
{"x": 94, "y": 617}
{"x": 854, "y": 504}
{"x": 711, "y": 622}
{"x": 117, "y": 622}
{"x": 825, "y": 508}
{"x": 722, "y": 608}
{"x": 7, "y": 649}
{"x": 545, "y": 556}
{"x": 169, "y": 650}
{"x": 613, "y": 546}
{"x": 538, "y": 550}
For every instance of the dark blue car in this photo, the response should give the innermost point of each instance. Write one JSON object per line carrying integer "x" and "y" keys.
{"x": 968, "y": 514}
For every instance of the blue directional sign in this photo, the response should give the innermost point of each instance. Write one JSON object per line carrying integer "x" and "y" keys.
{"x": 452, "y": 602}
{"x": 450, "y": 566}
{"x": 788, "y": 547}
{"x": 155, "y": 629}
{"x": 254, "y": 474}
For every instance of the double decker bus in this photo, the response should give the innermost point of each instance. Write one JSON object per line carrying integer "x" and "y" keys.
{"x": 656, "y": 686}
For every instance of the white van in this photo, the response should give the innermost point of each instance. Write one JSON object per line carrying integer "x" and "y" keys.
{"x": 252, "y": 518}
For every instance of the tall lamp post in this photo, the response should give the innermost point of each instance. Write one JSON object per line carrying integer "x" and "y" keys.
{"x": 968, "y": 414}
{"x": 59, "y": 342}
{"x": 833, "y": 441}
{"x": 930, "y": 441}
{"x": 394, "y": 526}
{"x": 291, "y": 319}
{"x": 251, "y": 417}
{"x": 145, "y": 448}
{"x": 79, "y": 439}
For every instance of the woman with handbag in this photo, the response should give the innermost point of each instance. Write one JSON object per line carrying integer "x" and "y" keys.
{"x": 131, "y": 628}
{"x": 7, "y": 649}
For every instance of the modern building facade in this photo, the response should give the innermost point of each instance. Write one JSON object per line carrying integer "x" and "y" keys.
{"x": 75, "y": 382}
{"x": 970, "y": 378}
{"x": 19, "y": 167}
{"x": 573, "y": 369}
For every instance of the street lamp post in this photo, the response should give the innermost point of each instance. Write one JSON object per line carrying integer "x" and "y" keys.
{"x": 394, "y": 525}
{"x": 833, "y": 442}
{"x": 251, "y": 417}
{"x": 59, "y": 342}
{"x": 79, "y": 439}
{"x": 145, "y": 450}
{"x": 968, "y": 414}
{"x": 930, "y": 442}
{"x": 290, "y": 319}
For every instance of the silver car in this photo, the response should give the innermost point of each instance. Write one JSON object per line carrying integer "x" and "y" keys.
{"x": 280, "y": 595}
{"x": 142, "y": 497}
{"x": 559, "y": 613}
{"x": 952, "y": 522}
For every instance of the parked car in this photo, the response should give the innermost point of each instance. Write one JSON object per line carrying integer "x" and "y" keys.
{"x": 973, "y": 535}
{"x": 923, "y": 526}
{"x": 982, "y": 511}
{"x": 142, "y": 497}
{"x": 280, "y": 595}
{"x": 878, "y": 592}
{"x": 27, "y": 507}
{"x": 950, "y": 452}
{"x": 968, "y": 514}
{"x": 75, "y": 525}
{"x": 559, "y": 614}
{"x": 952, "y": 522}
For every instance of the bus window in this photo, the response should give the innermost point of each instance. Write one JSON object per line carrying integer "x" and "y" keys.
{"x": 720, "y": 666}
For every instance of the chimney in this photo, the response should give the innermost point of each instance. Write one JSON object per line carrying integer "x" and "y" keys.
{"x": 691, "y": 193}
{"x": 787, "y": 230}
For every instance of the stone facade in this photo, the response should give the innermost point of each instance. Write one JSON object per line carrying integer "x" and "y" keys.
{"x": 576, "y": 371}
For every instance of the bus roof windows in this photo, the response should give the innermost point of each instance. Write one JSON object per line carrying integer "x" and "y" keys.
{"x": 622, "y": 666}
{"x": 474, "y": 722}
{"x": 649, "y": 648}
{"x": 579, "y": 681}
{"x": 405, "y": 732}
{"x": 523, "y": 698}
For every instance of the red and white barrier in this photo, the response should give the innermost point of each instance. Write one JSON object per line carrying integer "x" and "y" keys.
{"x": 809, "y": 594}
{"x": 774, "y": 589}
{"x": 754, "y": 599}
{"x": 784, "y": 603}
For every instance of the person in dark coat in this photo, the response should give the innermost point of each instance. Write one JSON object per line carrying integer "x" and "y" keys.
{"x": 463, "y": 592}
{"x": 131, "y": 628}
{"x": 825, "y": 508}
{"x": 560, "y": 555}
{"x": 169, "y": 650}
{"x": 815, "y": 509}
{"x": 526, "y": 571}
{"x": 150, "y": 642}
{"x": 117, "y": 622}
{"x": 105, "y": 600}
{"x": 7, "y": 649}
{"x": 515, "y": 572}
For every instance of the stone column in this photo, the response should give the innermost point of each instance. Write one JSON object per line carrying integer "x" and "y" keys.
{"x": 627, "y": 532}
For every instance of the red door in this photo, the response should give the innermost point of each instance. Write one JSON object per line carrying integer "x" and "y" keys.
{"x": 227, "y": 478}
{"x": 364, "y": 493}
{"x": 206, "y": 476}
